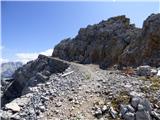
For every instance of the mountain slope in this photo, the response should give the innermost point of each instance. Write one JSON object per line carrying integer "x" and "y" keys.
{"x": 57, "y": 89}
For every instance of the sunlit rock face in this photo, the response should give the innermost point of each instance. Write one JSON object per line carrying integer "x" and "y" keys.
{"x": 146, "y": 49}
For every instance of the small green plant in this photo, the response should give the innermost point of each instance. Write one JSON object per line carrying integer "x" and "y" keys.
{"x": 155, "y": 83}
{"x": 123, "y": 98}
{"x": 88, "y": 76}
{"x": 78, "y": 118}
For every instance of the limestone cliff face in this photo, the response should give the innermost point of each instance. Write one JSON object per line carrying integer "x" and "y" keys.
{"x": 145, "y": 49}
{"x": 114, "y": 41}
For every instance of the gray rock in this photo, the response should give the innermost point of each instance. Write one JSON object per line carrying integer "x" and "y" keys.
{"x": 41, "y": 77}
{"x": 112, "y": 112}
{"x": 135, "y": 101}
{"x": 146, "y": 104}
{"x": 46, "y": 73}
{"x": 15, "y": 117}
{"x": 129, "y": 116}
{"x": 58, "y": 104}
{"x": 144, "y": 70}
{"x": 143, "y": 115}
{"x": 141, "y": 107}
{"x": 6, "y": 115}
{"x": 144, "y": 50}
{"x": 123, "y": 110}
{"x": 130, "y": 108}
{"x": 98, "y": 113}
{"x": 136, "y": 94}
{"x": 155, "y": 115}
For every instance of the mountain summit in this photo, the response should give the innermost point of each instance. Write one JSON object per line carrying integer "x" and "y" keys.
{"x": 114, "y": 41}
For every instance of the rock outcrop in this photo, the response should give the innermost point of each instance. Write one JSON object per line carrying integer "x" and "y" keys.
{"x": 31, "y": 74}
{"x": 146, "y": 49}
{"x": 114, "y": 41}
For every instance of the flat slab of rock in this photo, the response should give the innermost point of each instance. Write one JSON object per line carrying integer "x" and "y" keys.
{"x": 13, "y": 106}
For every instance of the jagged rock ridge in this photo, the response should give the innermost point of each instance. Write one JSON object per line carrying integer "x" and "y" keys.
{"x": 32, "y": 73}
{"x": 114, "y": 41}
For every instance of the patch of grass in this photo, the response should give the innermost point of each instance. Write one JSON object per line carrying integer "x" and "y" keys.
{"x": 78, "y": 118}
{"x": 155, "y": 82}
{"x": 155, "y": 86}
{"x": 144, "y": 89}
{"x": 143, "y": 78}
{"x": 123, "y": 98}
{"x": 88, "y": 76}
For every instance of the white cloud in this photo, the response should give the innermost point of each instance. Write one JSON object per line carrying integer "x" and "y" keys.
{"x": 47, "y": 52}
{"x": 2, "y": 60}
{"x": 25, "y": 57}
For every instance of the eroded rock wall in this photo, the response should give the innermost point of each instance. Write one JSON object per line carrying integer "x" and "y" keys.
{"x": 114, "y": 41}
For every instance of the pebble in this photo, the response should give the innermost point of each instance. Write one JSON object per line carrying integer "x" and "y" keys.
{"x": 98, "y": 113}
{"x": 135, "y": 101}
{"x": 113, "y": 112}
{"x": 58, "y": 104}
{"x": 129, "y": 116}
{"x": 13, "y": 106}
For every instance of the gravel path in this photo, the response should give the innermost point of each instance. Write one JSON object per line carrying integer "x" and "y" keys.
{"x": 74, "y": 94}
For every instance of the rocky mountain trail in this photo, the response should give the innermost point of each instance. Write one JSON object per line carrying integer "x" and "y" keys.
{"x": 79, "y": 91}
{"x": 109, "y": 71}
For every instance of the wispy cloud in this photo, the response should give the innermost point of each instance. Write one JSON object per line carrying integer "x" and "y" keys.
{"x": 25, "y": 57}
{"x": 1, "y": 47}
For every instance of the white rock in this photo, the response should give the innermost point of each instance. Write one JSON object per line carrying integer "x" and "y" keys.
{"x": 128, "y": 86}
{"x": 21, "y": 101}
{"x": 153, "y": 71}
{"x": 136, "y": 94}
{"x": 13, "y": 106}
{"x": 158, "y": 73}
{"x": 113, "y": 112}
{"x": 129, "y": 116}
{"x": 130, "y": 108}
{"x": 140, "y": 107}
{"x": 104, "y": 108}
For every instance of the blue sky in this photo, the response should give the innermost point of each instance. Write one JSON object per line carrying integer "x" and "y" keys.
{"x": 30, "y": 28}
